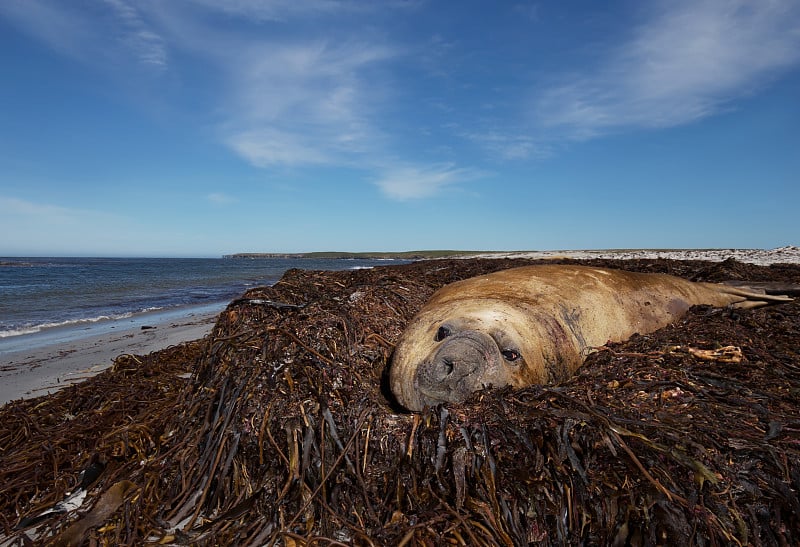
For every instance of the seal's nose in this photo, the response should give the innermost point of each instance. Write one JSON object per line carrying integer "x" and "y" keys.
{"x": 445, "y": 368}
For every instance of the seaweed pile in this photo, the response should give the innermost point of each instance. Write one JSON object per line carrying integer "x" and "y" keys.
{"x": 278, "y": 429}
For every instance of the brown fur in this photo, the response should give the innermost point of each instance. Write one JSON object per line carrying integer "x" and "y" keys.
{"x": 549, "y": 315}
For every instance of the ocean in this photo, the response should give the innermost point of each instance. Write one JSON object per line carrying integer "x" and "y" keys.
{"x": 41, "y": 294}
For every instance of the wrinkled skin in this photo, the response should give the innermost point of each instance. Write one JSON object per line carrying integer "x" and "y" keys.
{"x": 534, "y": 325}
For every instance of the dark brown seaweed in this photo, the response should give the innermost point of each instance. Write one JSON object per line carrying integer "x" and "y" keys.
{"x": 278, "y": 429}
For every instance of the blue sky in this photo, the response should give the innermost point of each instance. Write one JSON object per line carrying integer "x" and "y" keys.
{"x": 204, "y": 127}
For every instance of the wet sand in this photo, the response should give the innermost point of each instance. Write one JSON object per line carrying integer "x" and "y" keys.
{"x": 46, "y": 368}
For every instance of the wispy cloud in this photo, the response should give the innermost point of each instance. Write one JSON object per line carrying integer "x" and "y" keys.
{"x": 285, "y": 10}
{"x": 62, "y": 29}
{"x": 510, "y": 146}
{"x": 138, "y": 36}
{"x": 270, "y": 147}
{"x": 296, "y": 104}
{"x": 416, "y": 182}
{"x": 279, "y": 10}
{"x": 688, "y": 60}
{"x": 103, "y": 36}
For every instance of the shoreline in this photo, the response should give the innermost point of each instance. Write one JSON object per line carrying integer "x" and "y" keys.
{"x": 49, "y": 361}
{"x": 65, "y": 333}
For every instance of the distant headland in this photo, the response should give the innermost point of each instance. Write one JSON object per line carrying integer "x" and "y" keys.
{"x": 403, "y": 255}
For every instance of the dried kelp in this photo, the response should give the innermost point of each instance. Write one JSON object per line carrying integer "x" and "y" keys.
{"x": 285, "y": 433}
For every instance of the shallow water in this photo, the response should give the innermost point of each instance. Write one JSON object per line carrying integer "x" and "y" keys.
{"x": 68, "y": 295}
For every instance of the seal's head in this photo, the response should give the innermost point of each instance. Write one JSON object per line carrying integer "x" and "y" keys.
{"x": 452, "y": 350}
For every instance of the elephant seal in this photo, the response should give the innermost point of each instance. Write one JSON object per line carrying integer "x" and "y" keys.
{"x": 534, "y": 324}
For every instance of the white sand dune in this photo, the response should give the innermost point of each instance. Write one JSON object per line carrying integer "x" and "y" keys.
{"x": 782, "y": 255}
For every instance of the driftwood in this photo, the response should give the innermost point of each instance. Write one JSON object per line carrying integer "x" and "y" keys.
{"x": 277, "y": 429}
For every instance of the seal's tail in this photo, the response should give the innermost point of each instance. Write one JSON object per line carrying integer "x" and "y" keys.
{"x": 761, "y": 293}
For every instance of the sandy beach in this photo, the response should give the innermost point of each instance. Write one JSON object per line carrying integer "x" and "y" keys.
{"x": 62, "y": 359}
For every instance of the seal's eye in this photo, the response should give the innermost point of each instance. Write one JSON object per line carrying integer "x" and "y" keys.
{"x": 442, "y": 333}
{"x": 510, "y": 354}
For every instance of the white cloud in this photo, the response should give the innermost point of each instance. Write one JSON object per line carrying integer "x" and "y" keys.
{"x": 286, "y": 98}
{"x": 416, "y": 182}
{"x": 689, "y": 60}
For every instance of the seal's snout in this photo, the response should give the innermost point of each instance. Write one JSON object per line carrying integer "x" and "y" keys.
{"x": 443, "y": 372}
{"x": 447, "y": 378}
{"x": 457, "y": 367}
{"x": 455, "y": 361}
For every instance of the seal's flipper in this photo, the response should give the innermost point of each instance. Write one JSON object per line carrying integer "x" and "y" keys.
{"x": 758, "y": 294}
{"x": 775, "y": 288}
